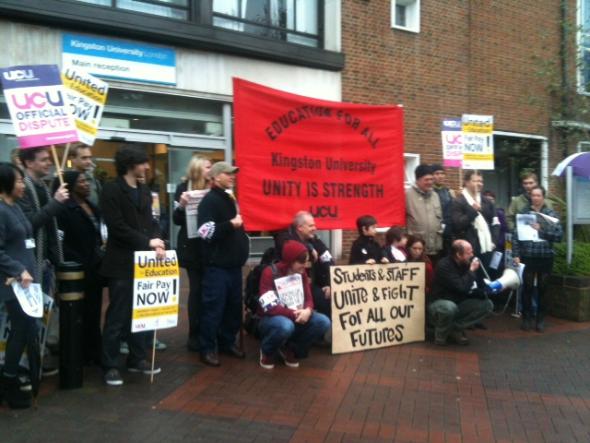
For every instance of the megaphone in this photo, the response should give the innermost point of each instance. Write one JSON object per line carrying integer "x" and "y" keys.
{"x": 508, "y": 280}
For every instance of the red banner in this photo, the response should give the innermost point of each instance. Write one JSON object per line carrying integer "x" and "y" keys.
{"x": 336, "y": 160}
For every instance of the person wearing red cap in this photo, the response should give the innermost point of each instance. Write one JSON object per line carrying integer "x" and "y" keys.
{"x": 288, "y": 326}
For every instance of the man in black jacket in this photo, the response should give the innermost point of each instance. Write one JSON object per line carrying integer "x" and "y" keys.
{"x": 126, "y": 205}
{"x": 303, "y": 230}
{"x": 457, "y": 300}
{"x": 225, "y": 250}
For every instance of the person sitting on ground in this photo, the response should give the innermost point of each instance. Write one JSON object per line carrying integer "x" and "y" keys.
{"x": 416, "y": 248}
{"x": 395, "y": 249}
{"x": 457, "y": 301}
{"x": 365, "y": 250}
{"x": 288, "y": 331}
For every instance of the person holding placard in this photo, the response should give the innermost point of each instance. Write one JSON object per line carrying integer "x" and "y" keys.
{"x": 188, "y": 195}
{"x": 289, "y": 325}
{"x": 17, "y": 262}
{"x": 396, "y": 240}
{"x": 416, "y": 247}
{"x": 365, "y": 249}
{"x": 126, "y": 204}
{"x": 537, "y": 257}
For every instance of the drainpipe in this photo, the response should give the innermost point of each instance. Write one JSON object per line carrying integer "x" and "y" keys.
{"x": 565, "y": 83}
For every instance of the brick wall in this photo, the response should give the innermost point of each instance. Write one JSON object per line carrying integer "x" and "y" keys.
{"x": 470, "y": 56}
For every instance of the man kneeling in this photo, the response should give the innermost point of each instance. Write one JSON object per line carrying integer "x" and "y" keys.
{"x": 288, "y": 325}
{"x": 457, "y": 302}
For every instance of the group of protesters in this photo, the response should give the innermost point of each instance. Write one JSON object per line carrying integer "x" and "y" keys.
{"x": 100, "y": 226}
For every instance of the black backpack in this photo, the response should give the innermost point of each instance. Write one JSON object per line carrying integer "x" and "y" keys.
{"x": 252, "y": 291}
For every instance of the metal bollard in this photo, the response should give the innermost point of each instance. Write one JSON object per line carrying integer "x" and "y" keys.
{"x": 70, "y": 289}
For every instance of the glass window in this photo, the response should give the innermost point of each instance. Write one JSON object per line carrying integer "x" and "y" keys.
{"x": 296, "y": 21}
{"x": 176, "y": 9}
{"x": 405, "y": 14}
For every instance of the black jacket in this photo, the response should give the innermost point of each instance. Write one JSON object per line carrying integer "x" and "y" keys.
{"x": 320, "y": 268}
{"x": 130, "y": 226}
{"x": 453, "y": 281}
{"x": 462, "y": 216}
{"x": 223, "y": 245}
{"x": 363, "y": 249}
{"x": 189, "y": 249}
{"x": 82, "y": 240}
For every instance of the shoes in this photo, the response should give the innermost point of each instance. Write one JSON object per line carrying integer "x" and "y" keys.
{"x": 11, "y": 393}
{"x": 288, "y": 357}
{"x": 210, "y": 359}
{"x": 24, "y": 383}
{"x": 266, "y": 362}
{"x": 161, "y": 346}
{"x": 458, "y": 337}
{"x": 144, "y": 367}
{"x": 124, "y": 348}
{"x": 234, "y": 351}
{"x": 113, "y": 378}
{"x": 480, "y": 326}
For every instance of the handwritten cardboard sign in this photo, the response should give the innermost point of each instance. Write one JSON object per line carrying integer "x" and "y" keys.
{"x": 375, "y": 306}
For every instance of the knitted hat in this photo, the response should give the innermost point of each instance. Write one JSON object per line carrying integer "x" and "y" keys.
{"x": 292, "y": 250}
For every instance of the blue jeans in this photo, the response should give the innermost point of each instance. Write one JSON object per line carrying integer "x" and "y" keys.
{"x": 221, "y": 308}
{"x": 278, "y": 330}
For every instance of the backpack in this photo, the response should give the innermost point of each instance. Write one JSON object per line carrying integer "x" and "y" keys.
{"x": 252, "y": 291}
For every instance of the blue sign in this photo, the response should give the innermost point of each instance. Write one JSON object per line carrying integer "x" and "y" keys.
{"x": 120, "y": 59}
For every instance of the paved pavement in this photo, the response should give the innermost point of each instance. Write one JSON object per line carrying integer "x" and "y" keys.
{"x": 506, "y": 386}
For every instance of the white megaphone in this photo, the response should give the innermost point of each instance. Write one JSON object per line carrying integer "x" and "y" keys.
{"x": 508, "y": 280}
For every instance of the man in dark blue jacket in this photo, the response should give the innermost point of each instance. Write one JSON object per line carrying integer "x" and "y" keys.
{"x": 225, "y": 250}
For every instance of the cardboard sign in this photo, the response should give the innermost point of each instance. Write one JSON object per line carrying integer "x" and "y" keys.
{"x": 375, "y": 306}
{"x": 478, "y": 141}
{"x": 87, "y": 96}
{"x": 335, "y": 160}
{"x": 38, "y": 105}
{"x": 156, "y": 290}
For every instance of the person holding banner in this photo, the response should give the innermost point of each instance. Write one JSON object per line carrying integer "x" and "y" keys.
{"x": 225, "y": 250}
{"x": 17, "y": 262}
{"x": 424, "y": 215}
{"x": 457, "y": 301}
{"x": 81, "y": 223}
{"x": 288, "y": 325}
{"x": 188, "y": 244}
{"x": 126, "y": 204}
{"x": 537, "y": 257}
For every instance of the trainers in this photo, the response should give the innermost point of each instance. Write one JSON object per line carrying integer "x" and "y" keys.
{"x": 49, "y": 370}
{"x": 161, "y": 346}
{"x": 124, "y": 348}
{"x": 266, "y": 362}
{"x": 288, "y": 357}
{"x": 113, "y": 378}
{"x": 144, "y": 367}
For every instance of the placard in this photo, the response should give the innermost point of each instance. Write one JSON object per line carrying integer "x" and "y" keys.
{"x": 156, "y": 290}
{"x": 38, "y": 105}
{"x": 452, "y": 142}
{"x": 87, "y": 96}
{"x": 375, "y": 306}
{"x": 478, "y": 141}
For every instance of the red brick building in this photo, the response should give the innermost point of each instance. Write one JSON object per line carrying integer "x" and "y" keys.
{"x": 447, "y": 58}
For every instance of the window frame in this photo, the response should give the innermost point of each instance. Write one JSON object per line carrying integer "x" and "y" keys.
{"x": 412, "y": 15}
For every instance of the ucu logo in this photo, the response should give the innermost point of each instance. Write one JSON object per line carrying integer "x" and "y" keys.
{"x": 38, "y": 100}
{"x": 19, "y": 74}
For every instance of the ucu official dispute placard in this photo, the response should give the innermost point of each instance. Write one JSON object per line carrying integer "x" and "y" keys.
{"x": 38, "y": 105}
{"x": 336, "y": 160}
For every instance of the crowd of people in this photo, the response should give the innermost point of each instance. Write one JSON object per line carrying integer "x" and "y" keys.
{"x": 101, "y": 225}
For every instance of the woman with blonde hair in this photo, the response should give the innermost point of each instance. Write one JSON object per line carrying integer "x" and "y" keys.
{"x": 188, "y": 194}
